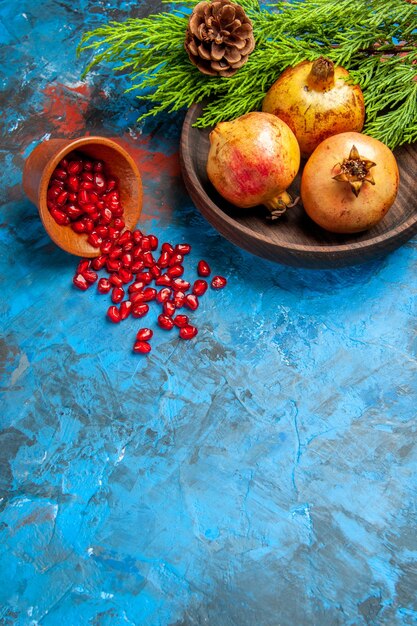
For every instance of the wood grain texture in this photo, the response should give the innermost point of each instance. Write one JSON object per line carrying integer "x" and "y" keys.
{"x": 295, "y": 239}
{"x": 43, "y": 160}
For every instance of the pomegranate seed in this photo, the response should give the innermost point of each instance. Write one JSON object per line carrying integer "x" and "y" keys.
{"x": 114, "y": 314}
{"x": 60, "y": 173}
{"x": 98, "y": 166}
{"x": 148, "y": 259}
{"x": 163, "y": 280}
{"x": 83, "y": 265}
{"x": 94, "y": 240}
{"x": 166, "y": 247}
{"x": 203, "y": 268}
{"x": 144, "y": 334}
{"x": 218, "y": 282}
{"x": 140, "y": 309}
{"x": 145, "y": 244}
{"x": 80, "y": 282}
{"x": 113, "y": 265}
{"x": 115, "y": 252}
{"x": 82, "y": 196}
{"x": 188, "y": 332}
{"x": 93, "y": 197}
{"x": 128, "y": 247}
{"x": 124, "y": 237}
{"x": 62, "y": 198}
{"x": 53, "y": 193}
{"x": 72, "y": 197}
{"x": 127, "y": 260}
{"x": 115, "y": 280}
{"x": 120, "y": 224}
{"x": 90, "y": 276}
{"x": 117, "y": 294}
{"x": 111, "y": 184}
{"x": 73, "y": 211}
{"x": 179, "y": 298}
{"x": 176, "y": 259}
{"x": 106, "y": 214}
{"x": 99, "y": 262}
{"x": 165, "y": 322}
{"x": 149, "y": 294}
{"x": 163, "y": 260}
{"x": 164, "y": 294}
{"x": 191, "y": 301}
{"x": 142, "y": 347}
{"x": 89, "y": 224}
{"x": 200, "y": 287}
{"x": 175, "y": 271}
{"x": 126, "y": 275}
{"x": 181, "y": 320}
{"x": 169, "y": 308}
{"x": 136, "y": 296}
{"x": 63, "y": 163}
{"x": 102, "y": 231}
{"x": 155, "y": 271}
{"x": 99, "y": 182}
{"x": 87, "y": 176}
{"x": 78, "y": 227}
{"x": 86, "y": 185}
{"x": 87, "y": 166}
{"x": 153, "y": 241}
{"x": 103, "y": 285}
{"x": 183, "y": 248}
{"x": 146, "y": 277}
{"x": 137, "y": 266}
{"x": 106, "y": 246}
{"x": 125, "y": 309}
{"x": 74, "y": 167}
{"x": 113, "y": 233}
{"x": 136, "y": 287}
{"x": 180, "y": 285}
{"x": 73, "y": 183}
{"x": 137, "y": 236}
{"x": 60, "y": 217}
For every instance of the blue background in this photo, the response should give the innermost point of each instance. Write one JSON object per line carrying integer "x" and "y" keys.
{"x": 262, "y": 474}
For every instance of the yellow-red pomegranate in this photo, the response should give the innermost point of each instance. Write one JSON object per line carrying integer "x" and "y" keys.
{"x": 253, "y": 160}
{"x": 316, "y": 100}
{"x": 349, "y": 183}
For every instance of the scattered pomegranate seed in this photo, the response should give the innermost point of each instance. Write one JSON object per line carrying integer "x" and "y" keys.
{"x": 169, "y": 308}
{"x": 203, "y": 268}
{"x": 139, "y": 310}
{"x": 188, "y": 332}
{"x": 200, "y": 287}
{"x": 103, "y": 285}
{"x": 218, "y": 282}
{"x": 144, "y": 334}
{"x": 142, "y": 347}
{"x": 80, "y": 282}
{"x": 191, "y": 301}
{"x": 117, "y": 294}
{"x": 125, "y": 309}
{"x": 181, "y": 320}
{"x": 165, "y": 322}
{"x": 114, "y": 314}
{"x": 82, "y": 194}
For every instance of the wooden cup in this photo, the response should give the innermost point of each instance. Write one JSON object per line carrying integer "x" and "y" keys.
{"x": 43, "y": 160}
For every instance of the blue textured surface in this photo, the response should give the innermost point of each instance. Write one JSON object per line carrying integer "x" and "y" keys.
{"x": 263, "y": 474}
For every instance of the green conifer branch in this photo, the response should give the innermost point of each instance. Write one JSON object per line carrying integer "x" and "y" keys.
{"x": 376, "y": 40}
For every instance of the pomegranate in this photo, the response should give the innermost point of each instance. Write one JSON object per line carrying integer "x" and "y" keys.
{"x": 349, "y": 183}
{"x": 253, "y": 160}
{"x": 316, "y": 100}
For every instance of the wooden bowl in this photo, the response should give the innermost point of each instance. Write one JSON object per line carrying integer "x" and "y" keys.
{"x": 294, "y": 239}
{"x": 43, "y": 160}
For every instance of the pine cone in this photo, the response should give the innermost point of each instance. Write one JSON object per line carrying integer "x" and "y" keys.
{"x": 219, "y": 37}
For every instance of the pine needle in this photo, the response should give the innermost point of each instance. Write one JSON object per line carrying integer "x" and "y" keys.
{"x": 376, "y": 40}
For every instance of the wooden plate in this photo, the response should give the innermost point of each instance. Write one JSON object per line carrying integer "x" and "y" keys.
{"x": 295, "y": 239}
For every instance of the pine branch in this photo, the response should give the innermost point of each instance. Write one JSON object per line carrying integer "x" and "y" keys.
{"x": 377, "y": 44}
